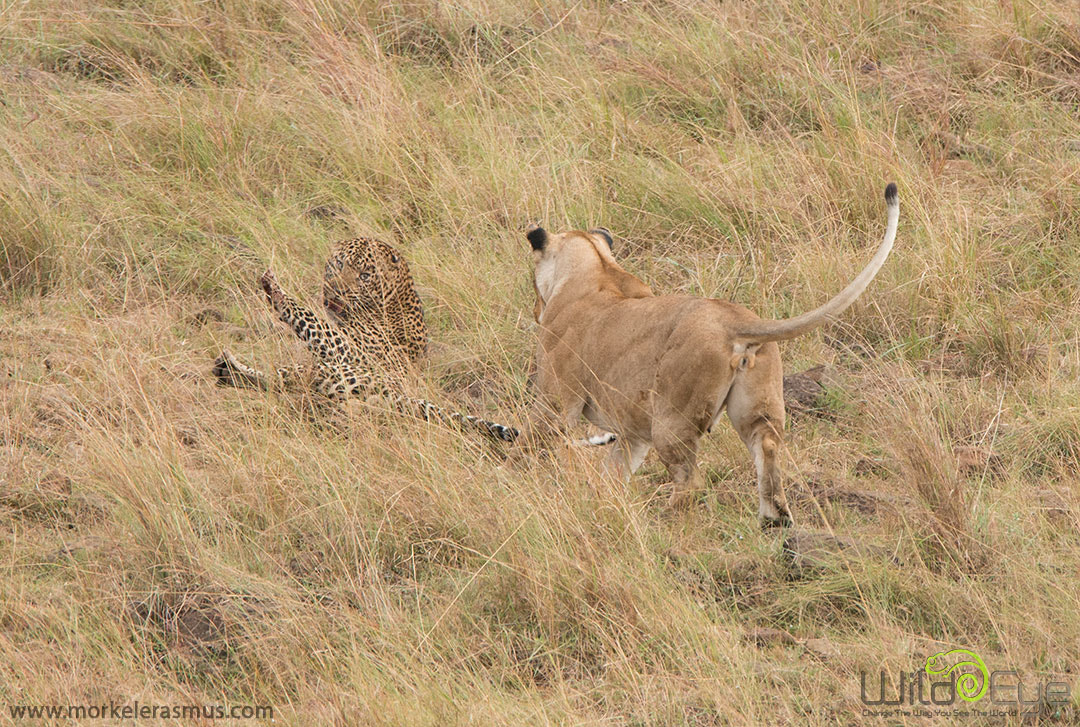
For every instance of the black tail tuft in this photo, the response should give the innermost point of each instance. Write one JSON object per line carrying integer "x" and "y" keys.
{"x": 890, "y": 194}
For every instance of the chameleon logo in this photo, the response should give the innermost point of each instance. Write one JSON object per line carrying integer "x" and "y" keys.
{"x": 967, "y": 684}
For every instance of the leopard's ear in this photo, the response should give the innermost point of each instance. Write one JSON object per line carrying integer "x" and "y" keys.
{"x": 537, "y": 237}
{"x": 604, "y": 233}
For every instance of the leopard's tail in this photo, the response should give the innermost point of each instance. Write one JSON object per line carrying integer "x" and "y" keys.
{"x": 764, "y": 331}
{"x": 466, "y": 422}
{"x": 358, "y": 383}
{"x": 230, "y": 372}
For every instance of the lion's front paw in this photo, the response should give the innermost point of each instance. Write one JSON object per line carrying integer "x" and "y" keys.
{"x": 682, "y": 498}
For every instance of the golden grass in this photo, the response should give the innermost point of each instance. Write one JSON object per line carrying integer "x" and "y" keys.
{"x": 172, "y": 542}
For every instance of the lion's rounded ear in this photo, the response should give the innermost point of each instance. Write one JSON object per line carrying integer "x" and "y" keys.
{"x": 537, "y": 237}
{"x": 606, "y": 234}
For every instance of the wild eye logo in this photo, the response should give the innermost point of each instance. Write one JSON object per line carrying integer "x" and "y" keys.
{"x": 933, "y": 691}
{"x": 971, "y": 688}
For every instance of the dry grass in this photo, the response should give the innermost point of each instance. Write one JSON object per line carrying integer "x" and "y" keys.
{"x": 172, "y": 542}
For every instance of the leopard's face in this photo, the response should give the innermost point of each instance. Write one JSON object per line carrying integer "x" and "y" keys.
{"x": 361, "y": 276}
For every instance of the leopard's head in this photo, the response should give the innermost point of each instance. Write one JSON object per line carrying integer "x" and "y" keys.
{"x": 361, "y": 276}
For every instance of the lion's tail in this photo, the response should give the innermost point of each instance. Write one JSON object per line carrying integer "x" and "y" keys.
{"x": 765, "y": 331}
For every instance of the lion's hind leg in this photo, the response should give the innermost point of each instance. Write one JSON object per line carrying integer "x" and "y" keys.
{"x": 756, "y": 409}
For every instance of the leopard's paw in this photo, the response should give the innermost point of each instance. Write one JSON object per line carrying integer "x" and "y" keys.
{"x": 224, "y": 369}
{"x": 269, "y": 284}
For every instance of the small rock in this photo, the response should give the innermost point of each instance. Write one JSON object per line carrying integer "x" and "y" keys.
{"x": 326, "y": 212}
{"x": 870, "y": 466}
{"x": 762, "y": 636}
{"x": 1052, "y": 504}
{"x": 82, "y": 549}
{"x": 818, "y": 486}
{"x": 199, "y": 624}
{"x": 803, "y": 390}
{"x": 867, "y": 502}
{"x": 614, "y": 43}
{"x": 1047, "y": 359}
{"x": 821, "y": 648}
{"x": 206, "y": 315}
{"x": 306, "y": 564}
{"x": 1035, "y": 355}
{"x": 479, "y": 388}
{"x": 806, "y": 549}
{"x": 56, "y": 483}
{"x": 188, "y": 436}
{"x": 951, "y": 363}
{"x": 973, "y": 460}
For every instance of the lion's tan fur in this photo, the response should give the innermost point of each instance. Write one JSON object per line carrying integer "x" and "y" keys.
{"x": 659, "y": 370}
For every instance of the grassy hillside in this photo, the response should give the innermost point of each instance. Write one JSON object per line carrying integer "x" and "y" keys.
{"x": 171, "y": 542}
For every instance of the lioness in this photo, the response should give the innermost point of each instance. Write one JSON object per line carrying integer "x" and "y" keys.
{"x": 658, "y": 370}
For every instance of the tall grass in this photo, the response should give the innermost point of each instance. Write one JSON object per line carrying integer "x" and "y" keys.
{"x": 172, "y": 542}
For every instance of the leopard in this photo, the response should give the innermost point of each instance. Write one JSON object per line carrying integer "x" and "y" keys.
{"x": 366, "y": 344}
